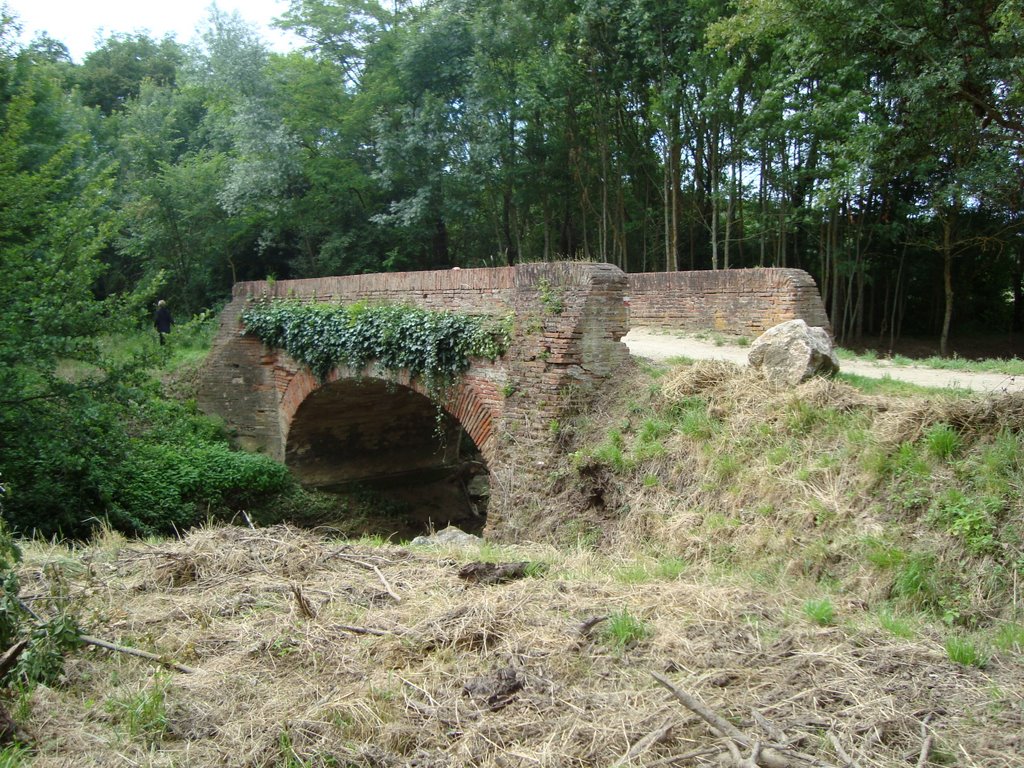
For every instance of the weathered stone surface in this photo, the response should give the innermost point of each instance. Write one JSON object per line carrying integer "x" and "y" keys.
{"x": 449, "y": 537}
{"x": 793, "y": 352}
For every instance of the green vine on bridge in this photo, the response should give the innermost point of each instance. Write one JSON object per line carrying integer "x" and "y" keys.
{"x": 433, "y": 346}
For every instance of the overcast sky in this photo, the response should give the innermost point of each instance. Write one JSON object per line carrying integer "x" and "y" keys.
{"x": 76, "y": 23}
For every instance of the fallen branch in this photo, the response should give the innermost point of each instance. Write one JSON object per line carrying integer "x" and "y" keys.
{"x": 691, "y": 755}
{"x": 305, "y": 607}
{"x": 766, "y": 758}
{"x": 926, "y": 749}
{"x": 848, "y": 762}
{"x": 10, "y": 657}
{"x": 738, "y": 760}
{"x": 362, "y": 630}
{"x": 645, "y": 743}
{"x": 90, "y": 640}
{"x": 719, "y": 725}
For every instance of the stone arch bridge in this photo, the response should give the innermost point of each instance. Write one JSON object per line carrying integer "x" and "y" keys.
{"x": 569, "y": 318}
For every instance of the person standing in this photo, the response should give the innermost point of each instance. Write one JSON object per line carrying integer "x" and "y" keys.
{"x": 162, "y": 320}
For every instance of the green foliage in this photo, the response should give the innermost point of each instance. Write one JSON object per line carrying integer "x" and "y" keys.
{"x": 552, "y": 299}
{"x": 820, "y": 611}
{"x": 146, "y": 465}
{"x": 965, "y": 652}
{"x": 622, "y": 630}
{"x": 42, "y": 661}
{"x": 942, "y": 441}
{"x": 434, "y": 346}
{"x": 967, "y": 517}
{"x": 10, "y": 610}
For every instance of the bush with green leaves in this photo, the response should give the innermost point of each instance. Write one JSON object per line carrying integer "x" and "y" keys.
{"x": 433, "y": 346}
{"x": 144, "y": 464}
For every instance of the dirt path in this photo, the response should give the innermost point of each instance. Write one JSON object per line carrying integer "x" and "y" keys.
{"x": 662, "y": 345}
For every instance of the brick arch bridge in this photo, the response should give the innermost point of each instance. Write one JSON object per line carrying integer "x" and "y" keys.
{"x": 367, "y": 425}
{"x": 569, "y": 318}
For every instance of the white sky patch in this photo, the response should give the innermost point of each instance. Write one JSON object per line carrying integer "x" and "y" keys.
{"x": 82, "y": 24}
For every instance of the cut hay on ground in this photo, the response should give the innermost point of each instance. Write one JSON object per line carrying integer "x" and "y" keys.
{"x": 316, "y": 652}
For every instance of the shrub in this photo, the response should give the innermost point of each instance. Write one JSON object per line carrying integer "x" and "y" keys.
{"x": 148, "y": 465}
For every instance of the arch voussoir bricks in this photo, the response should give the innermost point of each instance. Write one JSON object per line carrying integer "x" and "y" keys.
{"x": 568, "y": 320}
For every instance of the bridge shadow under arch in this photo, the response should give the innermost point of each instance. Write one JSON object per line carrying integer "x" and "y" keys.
{"x": 385, "y": 441}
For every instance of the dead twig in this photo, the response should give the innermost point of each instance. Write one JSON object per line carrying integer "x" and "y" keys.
{"x": 588, "y": 624}
{"x": 363, "y": 630}
{"x": 371, "y": 567}
{"x": 766, "y": 725}
{"x": 90, "y": 640}
{"x": 926, "y": 743}
{"x": 848, "y": 762}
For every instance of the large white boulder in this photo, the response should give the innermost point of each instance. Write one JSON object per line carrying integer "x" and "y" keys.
{"x": 793, "y": 352}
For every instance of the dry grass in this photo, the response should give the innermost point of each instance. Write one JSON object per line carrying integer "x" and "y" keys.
{"x": 287, "y": 682}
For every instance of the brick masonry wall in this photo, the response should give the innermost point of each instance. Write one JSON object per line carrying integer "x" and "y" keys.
{"x": 744, "y": 302}
{"x": 568, "y": 322}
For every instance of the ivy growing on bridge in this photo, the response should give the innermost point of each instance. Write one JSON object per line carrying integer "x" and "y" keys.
{"x": 435, "y": 347}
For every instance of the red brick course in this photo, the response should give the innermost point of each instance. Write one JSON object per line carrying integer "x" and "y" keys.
{"x": 744, "y": 302}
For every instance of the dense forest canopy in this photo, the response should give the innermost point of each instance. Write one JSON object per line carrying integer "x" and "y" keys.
{"x": 880, "y": 146}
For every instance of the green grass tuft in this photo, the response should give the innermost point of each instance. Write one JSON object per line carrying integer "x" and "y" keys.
{"x": 894, "y": 625}
{"x": 623, "y": 630}
{"x": 963, "y": 651}
{"x": 143, "y": 713}
{"x": 942, "y": 441}
{"x": 1010, "y": 637}
{"x": 820, "y": 611}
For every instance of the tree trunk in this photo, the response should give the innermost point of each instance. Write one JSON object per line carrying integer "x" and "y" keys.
{"x": 947, "y": 281}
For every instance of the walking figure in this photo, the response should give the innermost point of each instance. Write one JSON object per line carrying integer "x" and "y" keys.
{"x": 162, "y": 320}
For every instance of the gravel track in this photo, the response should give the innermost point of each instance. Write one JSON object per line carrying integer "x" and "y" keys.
{"x": 658, "y": 345}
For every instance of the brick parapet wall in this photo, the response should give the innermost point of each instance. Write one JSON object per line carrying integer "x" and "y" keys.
{"x": 745, "y": 302}
{"x": 474, "y": 291}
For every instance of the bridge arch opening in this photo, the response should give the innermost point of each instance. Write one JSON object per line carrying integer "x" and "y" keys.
{"x": 391, "y": 453}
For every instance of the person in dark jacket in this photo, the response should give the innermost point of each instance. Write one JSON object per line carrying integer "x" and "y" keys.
{"x": 162, "y": 319}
